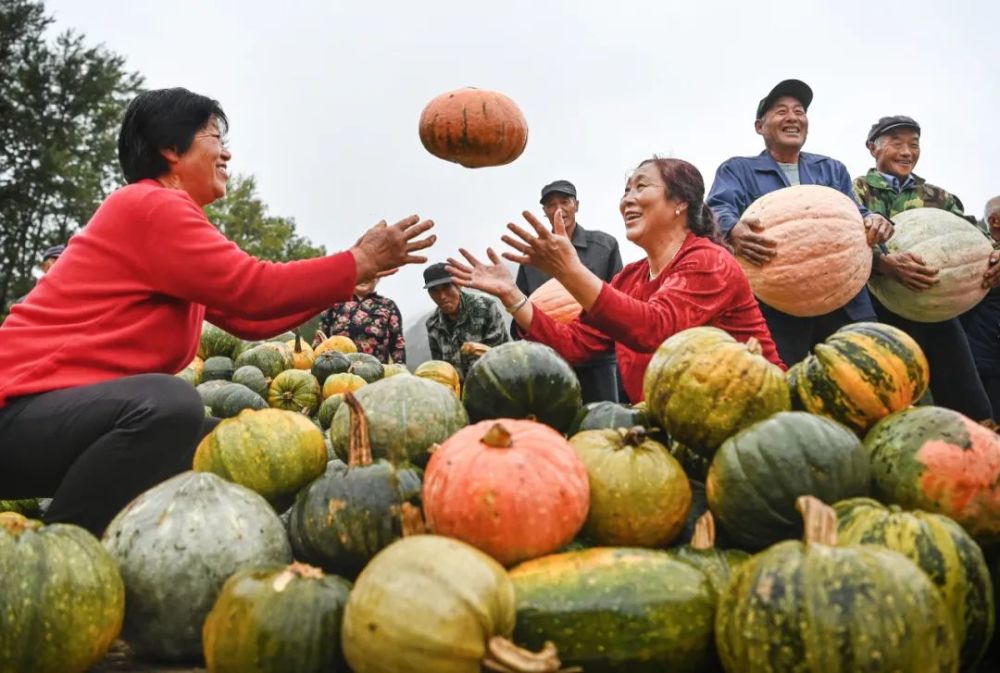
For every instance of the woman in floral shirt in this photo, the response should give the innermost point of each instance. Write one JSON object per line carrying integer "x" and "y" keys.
{"x": 371, "y": 321}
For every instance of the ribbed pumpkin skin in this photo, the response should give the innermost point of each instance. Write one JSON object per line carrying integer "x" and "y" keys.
{"x": 608, "y": 416}
{"x": 395, "y": 368}
{"x": 716, "y": 564}
{"x": 366, "y": 366}
{"x": 758, "y": 473}
{"x": 342, "y": 383}
{"x": 943, "y": 550}
{"x": 939, "y": 461}
{"x": 271, "y": 452}
{"x": 270, "y": 359}
{"x": 232, "y": 398}
{"x": 328, "y": 409}
{"x": 302, "y": 353}
{"x": 474, "y": 128}
{"x": 702, "y": 386}
{"x": 442, "y": 372}
{"x": 252, "y": 378}
{"x": 514, "y": 502}
{"x": 823, "y": 258}
{"x": 338, "y": 343}
{"x": 192, "y": 373}
{"x": 948, "y": 243}
{"x": 552, "y": 299}
{"x": 176, "y": 544}
{"x": 277, "y": 619}
{"x": 406, "y": 415}
{"x": 62, "y": 600}
{"x": 328, "y": 363}
{"x": 616, "y": 610}
{"x": 639, "y": 494}
{"x": 811, "y": 608}
{"x": 862, "y": 373}
{"x": 218, "y": 367}
{"x": 523, "y": 380}
{"x": 215, "y": 341}
{"x": 295, "y": 390}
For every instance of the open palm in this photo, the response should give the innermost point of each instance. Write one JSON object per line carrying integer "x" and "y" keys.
{"x": 493, "y": 278}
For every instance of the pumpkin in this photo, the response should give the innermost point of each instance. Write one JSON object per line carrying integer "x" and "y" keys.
{"x": 552, "y": 299}
{"x": 943, "y": 550}
{"x": 302, "y": 353}
{"x": 192, "y": 373}
{"x": 615, "y": 610}
{"x": 215, "y": 341}
{"x": 176, "y": 544}
{"x": 822, "y": 255}
{"x": 939, "y": 461}
{"x": 792, "y": 376}
{"x": 336, "y": 343}
{"x": 515, "y": 489}
{"x": 442, "y": 372}
{"x": 272, "y": 452}
{"x": 702, "y": 386}
{"x": 327, "y": 410}
{"x": 406, "y": 416}
{"x": 716, "y": 564}
{"x": 814, "y": 607}
{"x": 523, "y": 380}
{"x": 27, "y": 507}
{"x": 295, "y": 390}
{"x": 366, "y": 366}
{"x": 394, "y": 368}
{"x": 607, "y": 416}
{"x": 474, "y": 128}
{"x": 218, "y": 367}
{"x": 252, "y": 378}
{"x": 342, "y": 383}
{"x": 948, "y": 243}
{"x": 209, "y": 389}
{"x": 232, "y": 398}
{"x": 862, "y": 373}
{"x": 639, "y": 495}
{"x": 353, "y": 510}
{"x": 271, "y": 359}
{"x": 695, "y": 465}
{"x": 759, "y": 472}
{"x": 277, "y": 619}
{"x": 62, "y": 602}
{"x": 327, "y": 363}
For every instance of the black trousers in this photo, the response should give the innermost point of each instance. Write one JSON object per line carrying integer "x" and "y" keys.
{"x": 992, "y": 386}
{"x": 92, "y": 449}
{"x": 796, "y": 336}
{"x": 598, "y": 381}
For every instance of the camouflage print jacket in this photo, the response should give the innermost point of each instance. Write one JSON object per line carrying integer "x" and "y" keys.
{"x": 480, "y": 319}
{"x": 878, "y": 196}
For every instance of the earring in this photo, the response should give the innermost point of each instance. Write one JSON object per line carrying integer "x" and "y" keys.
{"x": 677, "y": 212}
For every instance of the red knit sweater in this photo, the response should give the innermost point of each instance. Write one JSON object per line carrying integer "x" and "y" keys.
{"x": 702, "y": 285}
{"x": 129, "y": 294}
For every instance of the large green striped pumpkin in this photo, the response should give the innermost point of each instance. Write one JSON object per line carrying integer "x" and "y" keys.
{"x": 295, "y": 390}
{"x": 216, "y": 341}
{"x": 814, "y": 607}
{"x": 943, "y": 550}
{"x": 956, "y": 248}
{"x": 270, "y": 358}
{"x": 703, "y": 386}
{"x": 862, "y": 373}
{"x": 232, "y": 398}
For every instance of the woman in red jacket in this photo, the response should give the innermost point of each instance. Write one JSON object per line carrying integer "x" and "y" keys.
{"x": 90, "y": 413}
{"x": 687, "y": 278}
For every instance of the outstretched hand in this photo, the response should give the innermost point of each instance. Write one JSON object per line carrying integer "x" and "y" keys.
{"x": 493, "y": 278}
{"x": 549, "y": 251}
{"x": 383, "y": 248}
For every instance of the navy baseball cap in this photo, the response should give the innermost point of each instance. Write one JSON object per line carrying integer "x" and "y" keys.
{"x": 436, "y": 274}
{"x": 558, "y": 187}
{"x": 795, "y": 88}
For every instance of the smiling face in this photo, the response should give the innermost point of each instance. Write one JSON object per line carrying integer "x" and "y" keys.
{"x": 646, "y": 209}
{"x": 201, "y": 171}
{"x": 897, "y": 152}
{"x": 784, "y": 126}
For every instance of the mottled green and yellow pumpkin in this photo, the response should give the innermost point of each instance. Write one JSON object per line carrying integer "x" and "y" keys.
{"x": 62, "y": 600}
{"x": 701, "y": 553}
{"x": 302, "y": 353}
{"x": 26, "y": 507}
{"x": 329, "y": 363}
{"x": 328, "y": 409}
{"x": 946, "y": 242}
{"x": 814, "y": 607}
{"x": 366, "y": 366}
{"x": 639, "y": 494}
{"x": 759, "y": 472}
{"x": 216, "y": 341}
{"x": 217, "y": 368}
{"x": 938, "y": 460}
{"x": 342, "y": 383}
{"x": 252, "y": 378}
{"x": 442, "y": 372}
{"x": 295, "y": 390}
{"x": 270, "y": 358}
{"x": 338, "y": 343}
{"x": 862, "y": 373}
{"x": 192, "y": 373}
{"x": 277, "y": 619}
{"x": 608, "y": 415}
{"x": 792, "y": 376}
{"x": 943, "y": 550}
{"x": 232, "y": 398}
{"x": 703, "y": 386}
{"x": 612, "y": 610}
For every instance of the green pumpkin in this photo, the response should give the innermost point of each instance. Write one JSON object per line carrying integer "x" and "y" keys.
{"x": 406, "y": 416}
{"x": 252, "y": 378}
{"x": 814, "y": 607}
{"x": 192, "y": 373}
{"x": 232, "y": 398}
{"x": 717, "y": 564}
{"x": 28, "y": 507}
{"x": 277, "y": 619}
{"x": 695, "y": 465}
{"x": 215, "y": 341}
{"x": 295, "y": 390}
{"x": 608, "y": 415}
{"x": 615, "y": 610}
{"x": 327, "y": 410}
{"x": 217, "y": 368}
{"x": 327, "y": 363}
{"x": 62, "y": 600}
{"x": 209, "y": 389}
{"x": 759, "y": 472}
{"x": 639, "y": 495}
{"x": 366, "y": 366}
{"x": 270, "y": 358}
{"x": 393, "y": 369}
{"x": 793, "y": 375}
{"x": 523, "y": 379}
{"x": 943, "y": 550}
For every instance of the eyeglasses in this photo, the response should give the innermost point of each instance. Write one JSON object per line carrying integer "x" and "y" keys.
{"x": 223, "y": 140}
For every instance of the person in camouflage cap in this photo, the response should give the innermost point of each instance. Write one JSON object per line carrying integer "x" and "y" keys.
{"x": 891, "y": 188}
{"x": 460, "y": 317}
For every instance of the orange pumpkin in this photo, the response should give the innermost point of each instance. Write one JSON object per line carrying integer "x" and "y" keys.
{"x": 302, "y": 353}
{"x": 442, "y": 372}
{"x": 338, "y": 343}
{"x": 552, "y": 299}
{"x": 474, "y": 128}
{"x": 342, "y": 383}
{"x": 823, "y": 258}
{"x": 515, "y": 489}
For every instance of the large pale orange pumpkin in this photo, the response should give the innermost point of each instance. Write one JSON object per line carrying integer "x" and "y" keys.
{"x": 338, "y": 343}
{"x": 442, "y": 372}
{"x": 474, "y": 128}
{"x": 302, "y": 353}
{"x": 823, "y": 258}
{"x": 552, "y": 299}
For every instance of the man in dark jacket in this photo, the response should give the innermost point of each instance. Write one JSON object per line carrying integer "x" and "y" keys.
{"x": 982, "y": 323}
{"x": 599, "y": 252}
{"x": 782, "y": 122}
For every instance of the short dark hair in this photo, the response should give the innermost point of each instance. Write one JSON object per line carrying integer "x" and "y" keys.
{"x": 684, "y": 182}
{"x": 162, "y": 119}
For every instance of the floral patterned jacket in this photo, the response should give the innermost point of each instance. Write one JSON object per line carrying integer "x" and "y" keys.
{"x": 373, "y": 323}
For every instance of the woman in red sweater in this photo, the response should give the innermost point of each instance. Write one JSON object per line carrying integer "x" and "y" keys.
{"x": 90, "y": 412}
{"x": 686, "y": 280}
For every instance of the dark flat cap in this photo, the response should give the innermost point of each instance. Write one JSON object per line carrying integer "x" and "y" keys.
{"x": 53, "y": 252}
{"x": 795, "y": 88}
{"x": 558, "y": 187}
{"x": 886, "y": 124}
{"x": 435, "y": 275}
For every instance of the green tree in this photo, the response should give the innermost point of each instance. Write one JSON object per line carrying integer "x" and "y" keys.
{"x": 60, "y": 108}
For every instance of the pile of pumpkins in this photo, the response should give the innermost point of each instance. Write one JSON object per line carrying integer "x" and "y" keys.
{"x": 362, "y": 518}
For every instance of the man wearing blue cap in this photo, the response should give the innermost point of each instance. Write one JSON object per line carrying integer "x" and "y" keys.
{"x": 49, "y": 258}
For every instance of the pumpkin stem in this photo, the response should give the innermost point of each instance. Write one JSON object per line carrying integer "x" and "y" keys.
{"x": 359, "y": 453}
{"x": 15, "y": 523}
{"x": 412, "y": 520}
{"x": 504, "y": 656}
{"x": 820, "y": 520}
{"x": 321, "y": 335}
{"x": 635, "y": 435}
{"x": 754, "y": 346}
{"x": 704, "y": 532}
{"x": 298, "y": 342}
{"x": 497, "y": 437}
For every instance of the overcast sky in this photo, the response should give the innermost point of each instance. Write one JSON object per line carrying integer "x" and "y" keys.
{"x": 324, "y": 97}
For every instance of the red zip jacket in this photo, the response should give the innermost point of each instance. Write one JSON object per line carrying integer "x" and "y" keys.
{"x": 129, "y": 294}
{"x": 702, "y": 285}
